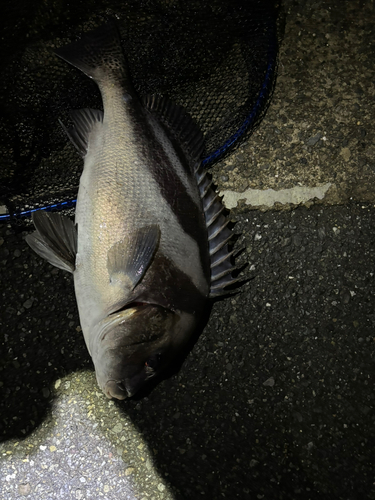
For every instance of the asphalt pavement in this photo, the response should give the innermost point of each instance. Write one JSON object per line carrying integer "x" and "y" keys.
{"x": 275, "y": 400}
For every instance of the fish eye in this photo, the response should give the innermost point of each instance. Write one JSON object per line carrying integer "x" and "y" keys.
{"x": 153, "y": 361}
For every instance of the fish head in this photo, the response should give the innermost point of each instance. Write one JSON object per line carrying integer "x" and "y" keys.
{"x": 137, "y": 344}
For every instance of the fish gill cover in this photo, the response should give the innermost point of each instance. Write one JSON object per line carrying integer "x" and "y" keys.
{"x": 217, "y": 59}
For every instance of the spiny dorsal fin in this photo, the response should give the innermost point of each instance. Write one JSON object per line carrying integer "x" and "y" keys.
{"x": 180, "y": 125}
{"x": 84, "y": 122}
{"x": 218, "y": 236}
{"x": 55, "y": 239}
{"x": 129, "y": 259}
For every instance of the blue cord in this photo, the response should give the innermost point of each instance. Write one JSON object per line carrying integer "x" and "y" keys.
{"x": 47, "y": 208}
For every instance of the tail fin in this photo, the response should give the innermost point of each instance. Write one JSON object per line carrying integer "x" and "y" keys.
{"x": 97, "y": 53}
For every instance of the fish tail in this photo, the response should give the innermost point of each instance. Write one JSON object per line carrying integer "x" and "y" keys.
{"x": 98, "y": 54}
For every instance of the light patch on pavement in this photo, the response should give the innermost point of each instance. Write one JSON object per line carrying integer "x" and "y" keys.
{"x": 87, "y": 448}
{"x": 268, "y": 197}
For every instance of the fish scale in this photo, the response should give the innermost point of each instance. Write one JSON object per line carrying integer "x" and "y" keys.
{"x": 135, "y": 186}
{"x": 150, "y": 243}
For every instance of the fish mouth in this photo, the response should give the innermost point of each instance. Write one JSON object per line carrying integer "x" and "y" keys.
{"x": 118, "y": 317}
{"x": 116, "y": 389}
{"x": 115, "y": 319}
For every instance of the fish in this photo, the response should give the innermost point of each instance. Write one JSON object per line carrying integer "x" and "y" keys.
{"x": 150, "y": 244}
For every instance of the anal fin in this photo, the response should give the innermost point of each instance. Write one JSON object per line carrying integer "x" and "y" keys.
{"x": 84, "y": 122}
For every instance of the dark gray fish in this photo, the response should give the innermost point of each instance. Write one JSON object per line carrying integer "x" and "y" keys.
{"x": 149, "y": 243}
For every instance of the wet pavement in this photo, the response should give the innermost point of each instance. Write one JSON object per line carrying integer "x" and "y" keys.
{"x": 276, "y": 398}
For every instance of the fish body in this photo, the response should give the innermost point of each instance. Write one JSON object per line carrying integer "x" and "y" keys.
{"x": 149, "y": 243}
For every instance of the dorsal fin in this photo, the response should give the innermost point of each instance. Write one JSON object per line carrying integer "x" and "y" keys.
{"x": 84, "y": 122}
{"x": 218, "y": 236}
{"x": 180, "y": 125}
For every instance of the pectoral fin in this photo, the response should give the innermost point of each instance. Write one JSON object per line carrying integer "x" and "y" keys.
{"x": 55, "y": 239}
{"x": 129, "y": 259}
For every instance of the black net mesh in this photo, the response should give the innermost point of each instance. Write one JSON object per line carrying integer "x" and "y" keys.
{"x": 217, "y": 59}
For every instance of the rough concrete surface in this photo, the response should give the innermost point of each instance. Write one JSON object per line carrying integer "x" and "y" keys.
{"x": 318, "y": 128}
{"x": 276, "y": 398}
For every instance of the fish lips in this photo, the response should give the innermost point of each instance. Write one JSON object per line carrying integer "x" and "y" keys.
{"x": 118, "y": 390}
{"x": 113, "y": 389}
{"x": 126, "y": 388}
{"x": 129, "y": 347}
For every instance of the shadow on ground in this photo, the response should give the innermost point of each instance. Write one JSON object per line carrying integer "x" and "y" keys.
{"x": 276, "y": 397}
{"x": 39, "y": 338}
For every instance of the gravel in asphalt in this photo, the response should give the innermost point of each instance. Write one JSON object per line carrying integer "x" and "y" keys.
{"x": 275, "y": 400}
